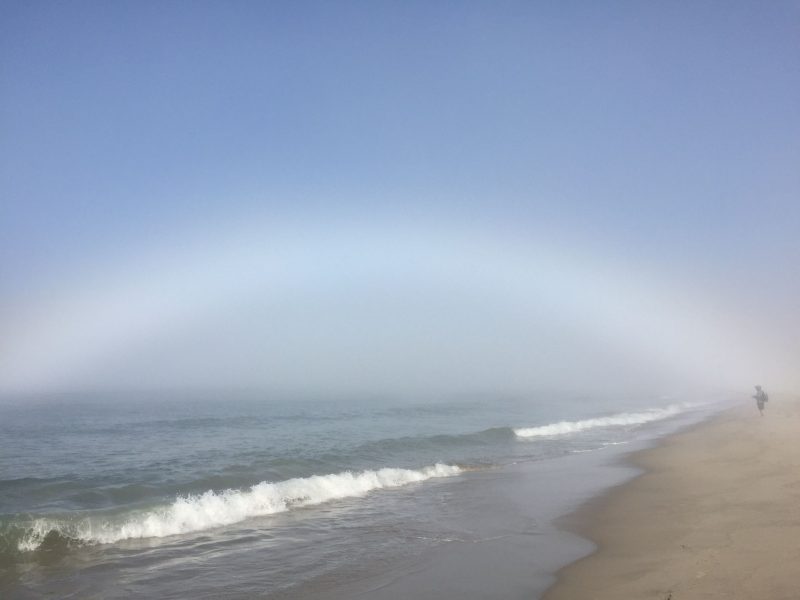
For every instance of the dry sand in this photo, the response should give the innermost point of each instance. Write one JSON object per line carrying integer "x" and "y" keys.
{"x": 716, "y": 514}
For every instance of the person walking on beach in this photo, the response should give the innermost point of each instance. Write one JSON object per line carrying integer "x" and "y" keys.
{"x": 761, "y": 399}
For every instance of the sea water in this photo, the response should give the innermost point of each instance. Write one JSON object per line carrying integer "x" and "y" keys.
{"x": 246, "y": 495}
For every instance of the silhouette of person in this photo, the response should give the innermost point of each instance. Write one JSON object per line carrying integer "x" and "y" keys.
{"x": 761, "y": 399}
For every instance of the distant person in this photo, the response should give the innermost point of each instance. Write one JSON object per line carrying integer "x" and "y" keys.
{"x": 761, "y": 399}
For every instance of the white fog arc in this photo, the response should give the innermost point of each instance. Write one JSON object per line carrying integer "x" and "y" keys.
{"x": 380, "y": 307}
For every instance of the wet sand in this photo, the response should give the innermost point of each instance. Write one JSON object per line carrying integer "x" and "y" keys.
{"x": 716, "y": 514}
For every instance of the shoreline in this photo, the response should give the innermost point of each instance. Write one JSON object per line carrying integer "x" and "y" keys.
{"x": 713, "y": 513}
{"x": 509, "y": 539}
{"x": 502, "y": 532}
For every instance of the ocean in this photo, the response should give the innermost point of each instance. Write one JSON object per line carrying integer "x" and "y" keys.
{"x": 248, "y": 495}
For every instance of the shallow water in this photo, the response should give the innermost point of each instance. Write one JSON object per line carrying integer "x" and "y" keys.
{"x": 247, "y": 495}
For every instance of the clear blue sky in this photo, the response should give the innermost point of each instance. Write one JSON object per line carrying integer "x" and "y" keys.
{"x": 669, "y": 132}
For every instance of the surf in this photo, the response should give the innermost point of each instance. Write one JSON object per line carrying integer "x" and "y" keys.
{"x": 619, "y": 419}
{"x": 194, "y": 513}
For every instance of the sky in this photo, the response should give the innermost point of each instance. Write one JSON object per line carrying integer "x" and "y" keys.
{"x": 399, "y": 197}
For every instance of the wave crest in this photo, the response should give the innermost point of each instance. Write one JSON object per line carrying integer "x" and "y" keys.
{"x": 193, "y": 513}
{"x": 621, "y": 419}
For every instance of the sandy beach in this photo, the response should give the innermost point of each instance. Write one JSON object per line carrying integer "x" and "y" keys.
{"x": 715, "y": 514}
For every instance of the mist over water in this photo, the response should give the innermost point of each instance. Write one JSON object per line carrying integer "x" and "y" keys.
{"x": 121, "y": 482}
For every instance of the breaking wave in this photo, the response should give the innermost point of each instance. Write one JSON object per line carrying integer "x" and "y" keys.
{"x": 621, "y": 419}
{"x": 193, "y": 513}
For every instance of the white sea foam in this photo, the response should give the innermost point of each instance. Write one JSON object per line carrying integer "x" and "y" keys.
{"x": 621, "y": 419}
{"x": 214, "y": 509}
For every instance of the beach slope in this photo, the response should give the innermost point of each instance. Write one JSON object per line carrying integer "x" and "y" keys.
{"x": 716, "y": 514}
